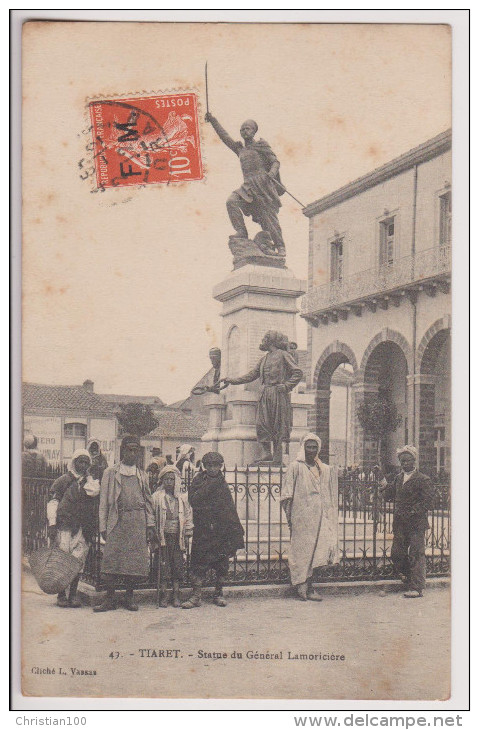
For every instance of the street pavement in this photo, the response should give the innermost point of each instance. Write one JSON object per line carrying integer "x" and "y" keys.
{"x": 384, "y": 647}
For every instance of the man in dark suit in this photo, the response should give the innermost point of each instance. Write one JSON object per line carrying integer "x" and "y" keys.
{"x": 412, "y": 493}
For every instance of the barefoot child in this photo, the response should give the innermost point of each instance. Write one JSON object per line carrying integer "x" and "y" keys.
{"x": 174, "y": 523}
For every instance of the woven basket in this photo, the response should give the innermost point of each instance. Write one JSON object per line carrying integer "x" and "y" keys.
{"x": 54, "y": 569}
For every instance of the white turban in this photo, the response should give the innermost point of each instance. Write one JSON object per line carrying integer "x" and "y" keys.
{"x": 76, "y": 455}
{"x": 169, "y": 469}
{"x": 408, "y": 450}
{"x": 301, "y": 456}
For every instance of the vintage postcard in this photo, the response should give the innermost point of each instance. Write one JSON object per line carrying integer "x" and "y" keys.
{"x": 236, "y": 385}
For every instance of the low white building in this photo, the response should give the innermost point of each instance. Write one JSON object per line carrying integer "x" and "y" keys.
{"x": 64, "y": 417}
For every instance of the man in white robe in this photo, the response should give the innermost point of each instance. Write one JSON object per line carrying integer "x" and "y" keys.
{"x": 310, "y": 500}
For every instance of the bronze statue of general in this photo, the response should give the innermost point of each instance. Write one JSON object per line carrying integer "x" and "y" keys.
{"x": 258, "y": 196}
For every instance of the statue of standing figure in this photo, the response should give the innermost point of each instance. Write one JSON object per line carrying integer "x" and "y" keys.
{"x": 258, "y": 196}
{"x": 278, "y": 374}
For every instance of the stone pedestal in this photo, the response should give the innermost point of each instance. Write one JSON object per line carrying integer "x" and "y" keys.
{"x": 255, "y": 299}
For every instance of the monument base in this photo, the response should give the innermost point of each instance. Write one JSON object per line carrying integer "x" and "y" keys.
{"x": 254, "y": 299}
{"x": 259, "y": 252}
{"x": 232, "y": 429}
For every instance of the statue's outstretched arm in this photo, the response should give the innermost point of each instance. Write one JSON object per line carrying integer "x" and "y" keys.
{"x": 248, "y": 378}
{"x": 223, "y": 134}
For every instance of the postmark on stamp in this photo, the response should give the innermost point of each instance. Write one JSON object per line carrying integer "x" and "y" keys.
{"x": 151, "y": 139}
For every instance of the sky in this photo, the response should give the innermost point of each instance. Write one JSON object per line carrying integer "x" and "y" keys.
{"x": 117, "y": 286}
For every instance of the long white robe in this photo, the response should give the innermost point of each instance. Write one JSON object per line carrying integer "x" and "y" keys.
{"x": 314, "y": 517}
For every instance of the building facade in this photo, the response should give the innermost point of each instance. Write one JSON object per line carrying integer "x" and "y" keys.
{"x": 64, "y": 417}
{"x": 379, "y": 299}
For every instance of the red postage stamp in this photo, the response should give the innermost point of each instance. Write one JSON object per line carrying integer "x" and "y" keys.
{"x": 152, "y": 139}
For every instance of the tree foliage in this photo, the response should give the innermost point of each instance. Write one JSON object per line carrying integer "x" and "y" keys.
{"x": 136, "y": 418}
{"x": 378, "y": 417}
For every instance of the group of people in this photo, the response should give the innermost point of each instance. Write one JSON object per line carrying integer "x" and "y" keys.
{"x": 137, "y": 515}
{"x": 135, "y": 518}
{"x": 185, "y": 463}
{"x": 310, "y": 500}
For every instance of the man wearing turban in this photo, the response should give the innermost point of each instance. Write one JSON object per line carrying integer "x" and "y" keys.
{"x": 309, "y": 497}
{"x": 127, "y": 524}
{"x": 412, "y": 493}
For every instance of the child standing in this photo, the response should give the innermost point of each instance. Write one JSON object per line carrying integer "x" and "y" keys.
{"x": 174, "y": 523}
{"x": 218, "y": 533}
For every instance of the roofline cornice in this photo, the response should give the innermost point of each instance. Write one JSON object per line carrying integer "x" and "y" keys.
{"x": 424, "y": 152}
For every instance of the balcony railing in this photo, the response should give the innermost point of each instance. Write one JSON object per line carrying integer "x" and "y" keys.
{"x": 408, "y": 270}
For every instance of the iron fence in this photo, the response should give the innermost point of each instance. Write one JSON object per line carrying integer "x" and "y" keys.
{"x": 365, "y": 530}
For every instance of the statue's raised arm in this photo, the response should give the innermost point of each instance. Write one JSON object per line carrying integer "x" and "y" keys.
{"x": 236, "y": 146}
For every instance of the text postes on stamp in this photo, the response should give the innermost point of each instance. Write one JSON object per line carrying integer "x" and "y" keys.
{"x": 152, "y": 139}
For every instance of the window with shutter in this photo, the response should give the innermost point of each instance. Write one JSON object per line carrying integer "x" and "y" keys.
{"x": 445, "y": 222}
{"x": 386, "y": 250}
{"x": 337, "y": 260}
{"x": 74, "y": 438}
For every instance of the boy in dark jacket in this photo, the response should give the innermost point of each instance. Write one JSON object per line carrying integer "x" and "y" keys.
{"x": 412, "y": 493}
{"x": 72, "y": 516}
{"x": 217, "y": 531}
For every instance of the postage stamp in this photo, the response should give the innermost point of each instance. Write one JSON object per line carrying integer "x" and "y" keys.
{"x": 152, "y": 139}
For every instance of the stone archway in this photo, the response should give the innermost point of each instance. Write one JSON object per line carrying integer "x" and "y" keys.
{"x": 387, "y": 335}
{"x": 385, "y": 381}
{"x": 332, "y": 357}
{"x": 433, "y": 358}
